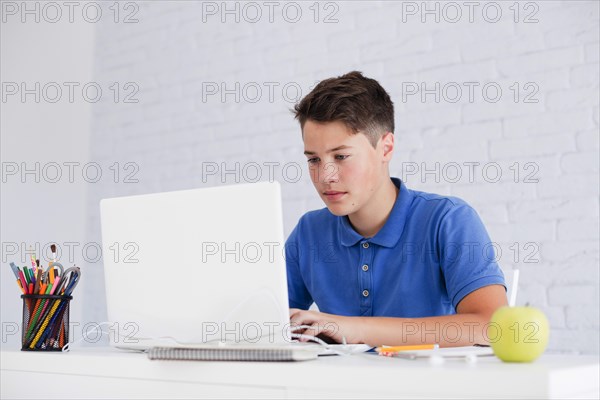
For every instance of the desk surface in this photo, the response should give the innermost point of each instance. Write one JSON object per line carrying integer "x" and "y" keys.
{"x": 102, "y": 372}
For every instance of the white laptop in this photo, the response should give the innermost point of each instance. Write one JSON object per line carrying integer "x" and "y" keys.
{"x": 197, "y": 267}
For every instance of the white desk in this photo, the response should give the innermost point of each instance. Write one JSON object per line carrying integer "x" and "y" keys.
{"x": 104, "y": 373}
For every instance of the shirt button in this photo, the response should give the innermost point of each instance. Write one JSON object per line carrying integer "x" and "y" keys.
{"x": 365, "y": 267}
{"x": 365, "y": 293}
{"x": 365, "y": 245}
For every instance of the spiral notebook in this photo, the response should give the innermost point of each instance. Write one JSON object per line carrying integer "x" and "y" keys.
{"x": 233, "y": 353}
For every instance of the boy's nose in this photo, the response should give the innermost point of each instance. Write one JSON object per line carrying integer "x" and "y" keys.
{"x": 329, "y": 173}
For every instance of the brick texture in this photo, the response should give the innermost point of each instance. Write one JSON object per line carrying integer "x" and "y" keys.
{"x": 518, "y": 96}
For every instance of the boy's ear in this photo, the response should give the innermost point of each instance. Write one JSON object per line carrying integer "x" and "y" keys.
{"x": 387, "y": 142}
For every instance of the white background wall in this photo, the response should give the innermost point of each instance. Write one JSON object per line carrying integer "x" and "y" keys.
{"x": 543, "y": 211}
{"x": 41, "y": 207}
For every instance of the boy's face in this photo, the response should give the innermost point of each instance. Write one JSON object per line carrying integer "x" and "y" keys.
{"x": 344, "y": 167}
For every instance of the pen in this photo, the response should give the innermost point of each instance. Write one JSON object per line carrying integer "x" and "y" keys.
{"x": 23, "y": 281}
{"x": 74, "y": 281}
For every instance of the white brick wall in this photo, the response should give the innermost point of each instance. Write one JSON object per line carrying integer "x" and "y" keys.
{"x": 551, "y": 205}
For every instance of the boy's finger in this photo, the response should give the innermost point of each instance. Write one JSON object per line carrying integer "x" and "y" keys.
{"x": 298, "y": 319}
{"x": 313, "y": 330}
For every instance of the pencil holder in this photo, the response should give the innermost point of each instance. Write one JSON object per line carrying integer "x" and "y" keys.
{"x": 45, "y": 322}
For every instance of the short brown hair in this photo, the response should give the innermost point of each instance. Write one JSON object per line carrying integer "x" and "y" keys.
{"x": 359, "y": 102}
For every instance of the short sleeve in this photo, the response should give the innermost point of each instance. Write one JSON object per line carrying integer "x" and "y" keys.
{"x": 467, "y": 255}
{"x": 298, "y": 294}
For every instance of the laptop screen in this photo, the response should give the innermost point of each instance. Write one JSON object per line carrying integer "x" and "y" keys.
{"x": 196, "y": 266}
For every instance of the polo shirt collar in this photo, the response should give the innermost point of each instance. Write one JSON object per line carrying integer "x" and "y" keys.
{"x": 391, "y": 231}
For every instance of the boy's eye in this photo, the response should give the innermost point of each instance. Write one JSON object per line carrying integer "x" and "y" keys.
{"x": 341, "y": 157}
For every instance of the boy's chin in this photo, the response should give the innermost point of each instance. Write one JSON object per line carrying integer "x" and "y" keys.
{"x": 337, "y": 210}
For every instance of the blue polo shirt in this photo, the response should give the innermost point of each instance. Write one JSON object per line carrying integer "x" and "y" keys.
{"x": 432, "y": 251}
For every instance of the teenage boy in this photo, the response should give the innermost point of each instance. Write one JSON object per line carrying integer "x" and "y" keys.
{"x": 384, "y": 264}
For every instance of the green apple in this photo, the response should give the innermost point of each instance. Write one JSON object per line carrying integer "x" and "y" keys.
{"x": 518, "y": 334}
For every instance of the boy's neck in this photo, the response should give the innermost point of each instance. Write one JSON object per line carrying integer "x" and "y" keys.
{"x": 371, "y": 218}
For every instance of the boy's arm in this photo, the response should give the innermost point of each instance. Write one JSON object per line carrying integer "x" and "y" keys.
{"x": 467, "y": 327}
{"x": 474, "y": 282}
{"x": 298, "y": 294}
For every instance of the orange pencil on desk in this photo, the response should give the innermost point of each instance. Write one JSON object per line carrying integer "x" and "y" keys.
{"x": 390, "y": 350}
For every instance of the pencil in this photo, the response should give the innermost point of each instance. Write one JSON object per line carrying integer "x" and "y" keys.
{"x": 62, "y": 334}
{"x": 393, "y": 349}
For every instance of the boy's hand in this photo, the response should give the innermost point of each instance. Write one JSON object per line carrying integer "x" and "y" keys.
{"x": 332, "y": 326}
